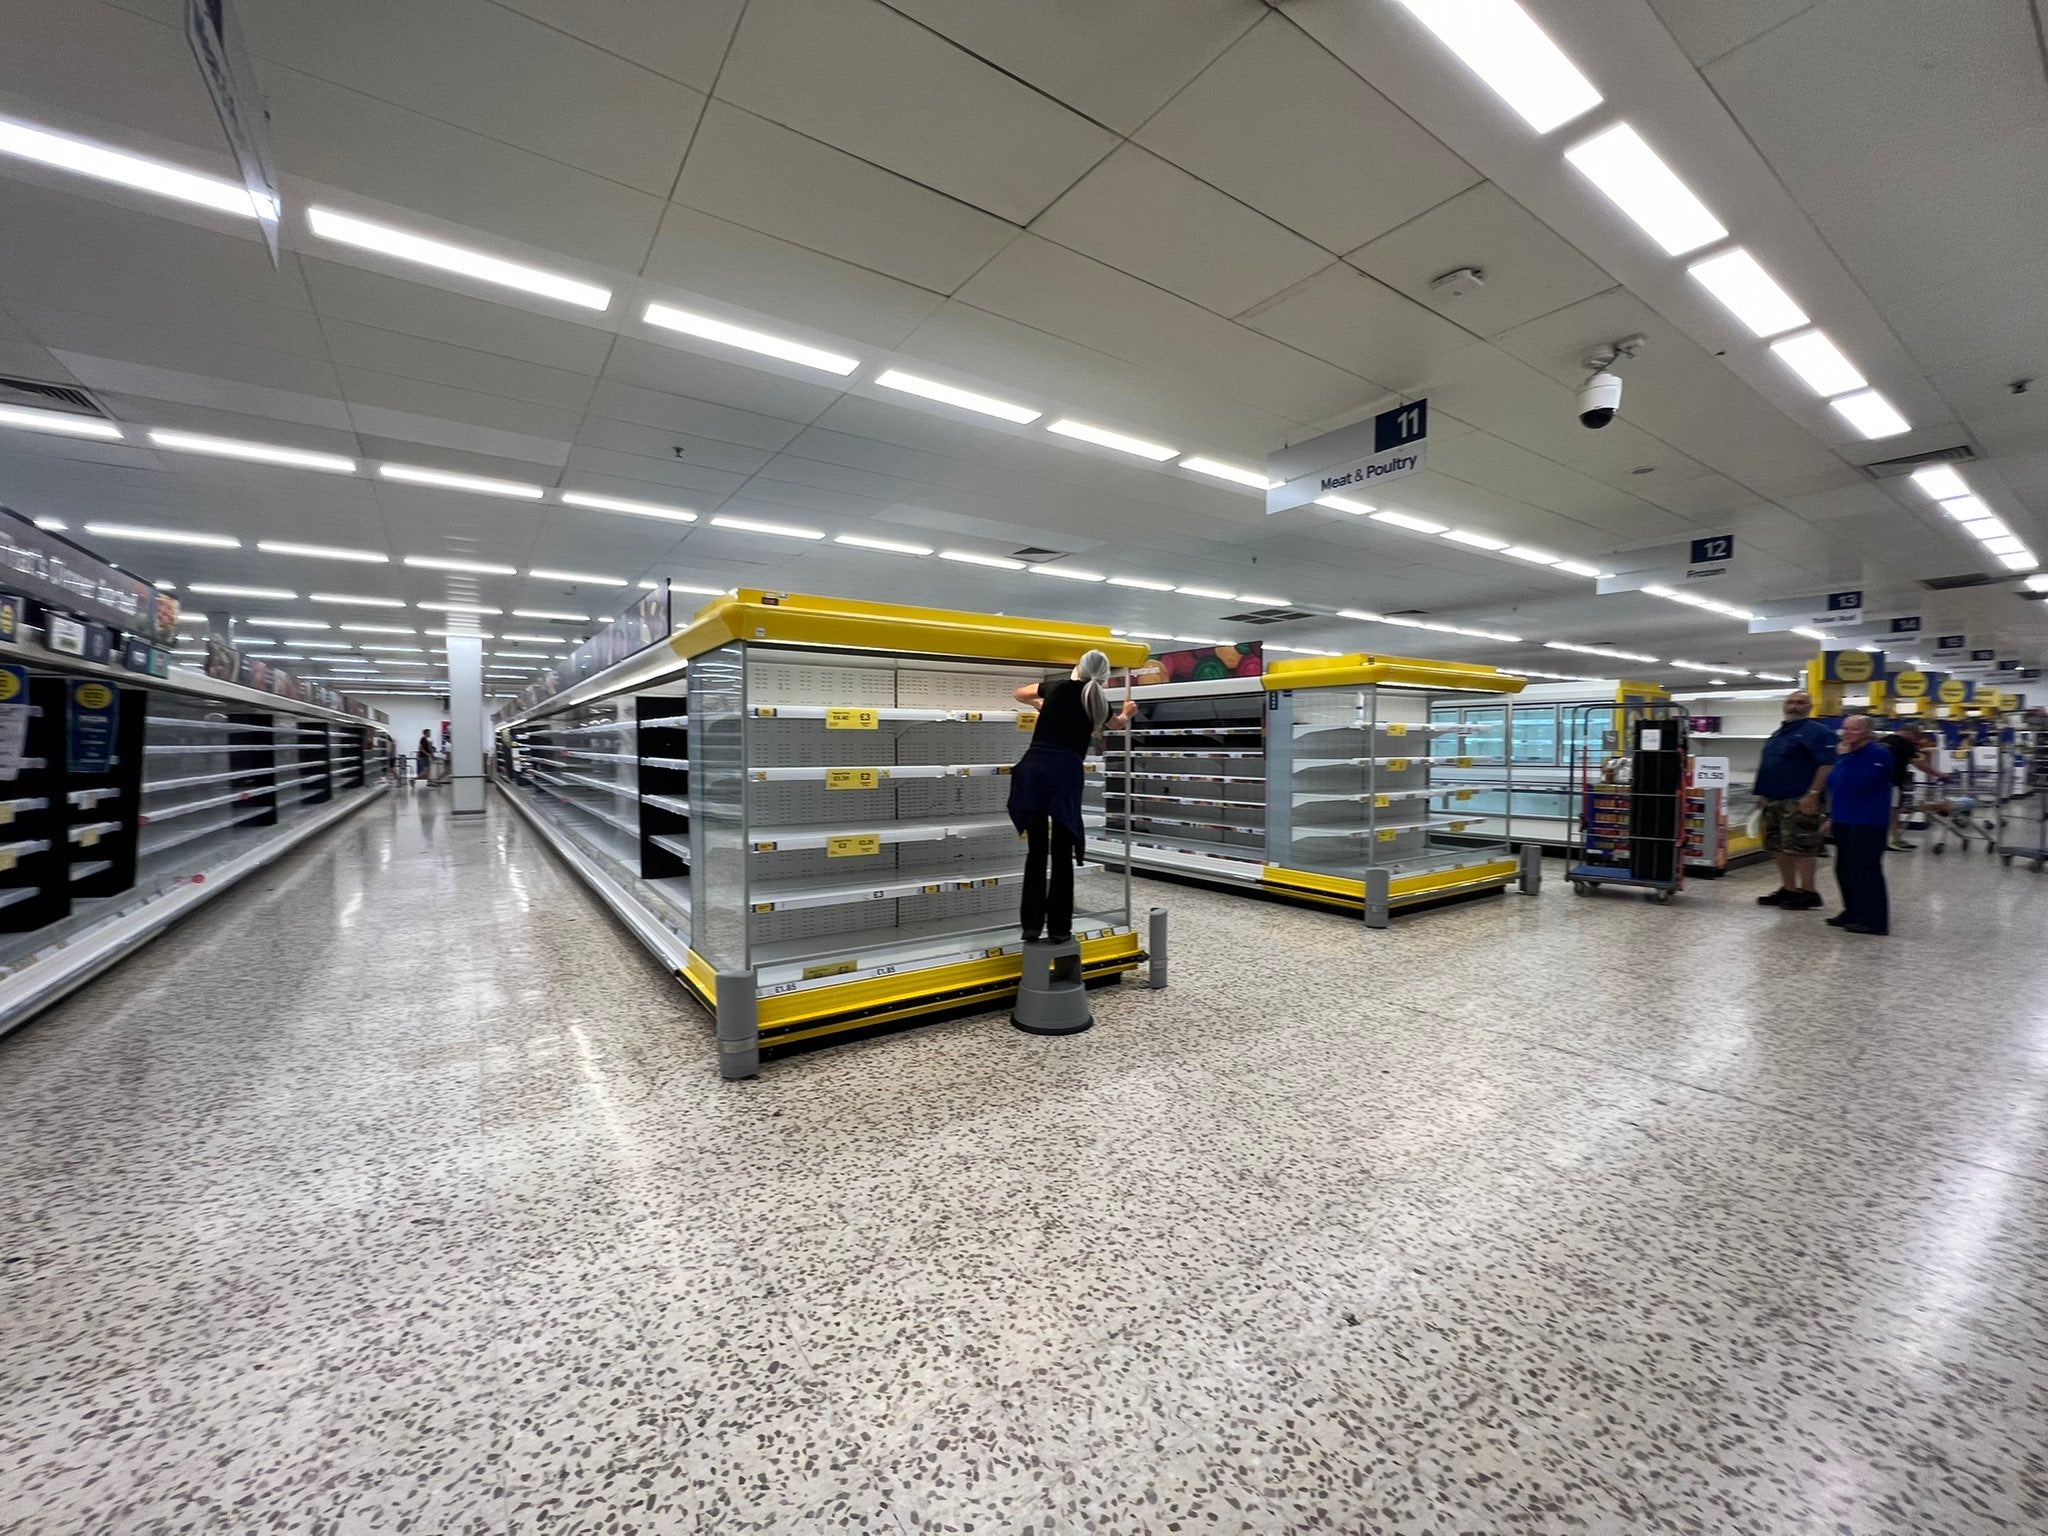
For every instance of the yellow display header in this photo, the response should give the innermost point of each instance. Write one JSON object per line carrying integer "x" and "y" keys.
{"x": 1367, "y": 670}
{"x": 795, "y": 618}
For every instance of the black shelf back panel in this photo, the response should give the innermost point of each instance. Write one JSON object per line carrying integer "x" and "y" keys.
{"x": 47, "y": 875}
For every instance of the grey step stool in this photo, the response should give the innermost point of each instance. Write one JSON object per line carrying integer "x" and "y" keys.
{"x": 1051, "y": 997}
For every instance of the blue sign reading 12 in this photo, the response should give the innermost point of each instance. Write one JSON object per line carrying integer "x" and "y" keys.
{"x": 1718, "y": 550}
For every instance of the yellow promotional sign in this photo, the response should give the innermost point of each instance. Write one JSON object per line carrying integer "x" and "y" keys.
{"x": 1854, "y": 666}
{"x": 1910, "y": 685}
{"x": 95, "y": 695}
{"x": 852, "y": 720}
{"x": 10, "y": 684}
{"x": 1026, "y": 722}
{"x": 852, "y": 778}
{"x": 1954, "y": 690}
{"x": 858, "y": 845}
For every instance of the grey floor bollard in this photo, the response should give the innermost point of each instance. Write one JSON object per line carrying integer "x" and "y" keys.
{"x": 1155, "y": 943}
{"x": 1532, "y": 869}
{"x": 739, "y": 1026}
{"x": 1379, "y": 905}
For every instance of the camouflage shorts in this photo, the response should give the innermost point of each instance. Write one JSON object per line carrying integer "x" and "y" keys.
{"x": 1787, "y": 829}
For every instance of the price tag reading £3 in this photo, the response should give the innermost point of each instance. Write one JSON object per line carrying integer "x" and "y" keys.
{"x": 852, "y": 720}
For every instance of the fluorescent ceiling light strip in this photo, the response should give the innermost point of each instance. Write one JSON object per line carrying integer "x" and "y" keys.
{"x": 1498, "y": 42}
{"x": 286, "y": 623}
{"x": 379, "y": 629}
{"x": 1824, "y": 370}
{"x": 726, "y": 333}
{"x": 1477, "y": 540}
{"x": 1209, "y": 592}
{"x": 1217, "y": 469}
{"x": 1871, "y": 415}
{"x": 1199, "y": 640}
{"x": 1344, "y": 504}
{"x": 1141, "y": 583}
{"x": 1776, "y": 677}
{"x": 1263, "y": 602}
{"x": 1575, "y": 568}
{"x": 1967, "y": 509}
{"x": 367, "y": 235}
{"x": 523, "y": 639}
{"x": 1533, "y": 556}
{"x": 322, "y": 552}
{"x": 482, "y": 485}
{"x": 774, "y": 530}
{"x": 223, "y": 589}
{"x": 1361, "y": 615}
{"x": 1987, "y": 529}
{"x": 1102, "y": 437}
{"x": 677, "y": 586}
{"x": 395, "y": 650}
{"x": 62, "y": 152}
{"x": 550, "y": 613}
{"x": 1407, "y": 520}
{"x": 445, "y": 563}
{"x": 343, "y": 599}
{"x": 882, "y": 546}
{"x": 466, "y": 634}
{"x": 1066, "y": 572}
{"x": 459, "y": 608}
{"x": 162, "y": 536}
{"x": 653, "y": 509}
{"x": 947, "y": 394}
{"x": 2036, "y": 583}
{"x": 2023, "y": 561}
{"x": 1635, "y": 180}
{"x": 255, "y": 453}
{"x": 2008, "y": 545}
{"x": 541, "y": 573}
{"x": 58, "y": 525}
{"x": 1749, "y": 293}
{"x": 59, "y": 422}
{"x": 969, "y": 557}
{"x": 1941, "y": 482}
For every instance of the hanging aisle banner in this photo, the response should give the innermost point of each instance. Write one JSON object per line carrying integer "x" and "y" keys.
{"x": 1822, "y": 610}
{"x": 1352, "y": 460}
{"x": 95, "y": 711}
{"x": 1669, "y": 565}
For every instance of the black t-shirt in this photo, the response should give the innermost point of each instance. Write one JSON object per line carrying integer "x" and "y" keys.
{"x": 1063, "y": 714}
{"x": 1905, "y": 751}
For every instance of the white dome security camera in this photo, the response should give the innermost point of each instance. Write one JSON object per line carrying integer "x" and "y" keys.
{"x": 1599, "y": 400}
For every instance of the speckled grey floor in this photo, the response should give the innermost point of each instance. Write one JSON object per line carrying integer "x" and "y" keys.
{"x": 395, "y": 1193}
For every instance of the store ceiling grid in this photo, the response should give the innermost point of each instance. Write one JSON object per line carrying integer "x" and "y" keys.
{"x": 1209, "y": 222}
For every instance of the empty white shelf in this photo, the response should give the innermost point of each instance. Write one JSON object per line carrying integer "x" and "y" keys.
{"x": 879, "y": 885}
{"x": 889, "y": 714}
{"x": 675, "y": 804}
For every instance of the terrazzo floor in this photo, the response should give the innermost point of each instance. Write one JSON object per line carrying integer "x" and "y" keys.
{"x": 396, "y": 1193}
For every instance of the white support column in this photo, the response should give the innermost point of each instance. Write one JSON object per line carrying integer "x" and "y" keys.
{"x": 466, "y": 742}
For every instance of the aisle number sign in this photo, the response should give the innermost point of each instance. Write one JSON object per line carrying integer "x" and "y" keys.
{"x": 1351, "y": 461}
{"x": 853, "y": 778}
{"x": 852, "y": 720}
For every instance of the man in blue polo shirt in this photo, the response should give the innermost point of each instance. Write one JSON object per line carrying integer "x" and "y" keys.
{"x": 1860, "y": 806}
{"x": 1789, "y": 779}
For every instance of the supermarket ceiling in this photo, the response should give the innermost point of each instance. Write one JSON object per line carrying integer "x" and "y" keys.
{"x": 1211, "y": 225}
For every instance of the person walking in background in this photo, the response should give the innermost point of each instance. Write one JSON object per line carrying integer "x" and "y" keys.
{"x": 1909, "y": 749}
{"x": 423, "y": 757}
{"x": 1790, "y": 776}
{"x": 1860, "y": 806}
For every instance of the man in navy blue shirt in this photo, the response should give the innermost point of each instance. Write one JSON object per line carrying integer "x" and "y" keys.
{"x": 1789, "y": 778}
{"x": 1860, "y": 806}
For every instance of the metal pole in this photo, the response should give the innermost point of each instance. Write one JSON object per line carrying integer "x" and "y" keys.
{"x": 1128, "y": 780}
{"x": 739, "y": 1026}
{"x": 1156, "y": 944}
{"x": 1532, "y": 868}
{"x": 1379, "y": 883}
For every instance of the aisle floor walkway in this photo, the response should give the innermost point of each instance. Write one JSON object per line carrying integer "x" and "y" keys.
{"x": 397, "y": 1193}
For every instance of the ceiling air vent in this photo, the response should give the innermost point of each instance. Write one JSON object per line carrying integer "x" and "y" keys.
{"x": 1267, "y": 616}
{"x": 1891, "y": 469}
{"x": 1950, "y": 583}
{"x": 1032, "y": 554}
{"x": 50, "y": 397}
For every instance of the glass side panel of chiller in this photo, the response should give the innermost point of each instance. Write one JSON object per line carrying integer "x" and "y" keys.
{"x": 583, "y": 764}
{"x": 1331, "y": 746}
{"x": 1470, "y": 789}
{"x": 718, "y": 748}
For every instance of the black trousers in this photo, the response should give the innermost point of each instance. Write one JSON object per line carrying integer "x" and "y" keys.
{"x": 1048, "y": 905}
{"x": 1859, "y": 868}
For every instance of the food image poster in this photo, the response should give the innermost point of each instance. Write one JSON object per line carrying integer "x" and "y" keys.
{"x": 1201, "y": 664}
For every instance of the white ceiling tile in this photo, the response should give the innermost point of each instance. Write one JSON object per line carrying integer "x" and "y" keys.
{"x": 703, "y": 453}
{"x": 1706, "y": 29}
{"x": 1528, "y": 269}
{"x": 856, "y": 74}
{"x": 777, "y": 280}
{"x": 690, "y": 418}
{"x": 346, "y": 139}
{"x": 752, "y": 172}
{"x": 670, "y": 370}
{"x": 478, "y": 66}
{"x": 90, "y": 61}
{"x": 683, "y": 42}
{"x": 1060, "y": 291}
{"x": 1481, "y": 459}
{"x": 146, "y": 386}
{"x": 417, "y": 310}
{"x": 887, "y": 422}
{"x": 1137, "y": 54}
{"x": 1354, "y": 166}
{"x": 412, "y": 357}
{"x": 500, "y": 413}
{"x": 1361, "y": 326}
{"x": 407, "y": 431}
{"x": 114, "y": 342}
{"x": 1142, "y": 215}
{"x": 26, "y": 360}
{"x": 694, "y": 487}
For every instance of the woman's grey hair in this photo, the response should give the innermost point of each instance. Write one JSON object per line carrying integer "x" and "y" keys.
{"x": 1093, "y": 669}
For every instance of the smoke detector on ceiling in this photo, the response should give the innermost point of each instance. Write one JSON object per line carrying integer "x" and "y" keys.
{"x": 1458, "y": 283}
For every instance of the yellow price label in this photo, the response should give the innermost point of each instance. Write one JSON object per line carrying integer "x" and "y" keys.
{"x": 852, "y": 778}
{"x": 6, "y": 861}
{"x": 7, "y": 814}
{"x": 1464, "y": 794}
{"x": 835, "y": 968}
{"x": 10, "y": 684}
{"x": 1397, "y": 765}
{"x": 764, "y": 712}
{"x": 858, "y": 845}
{"x": 1459, "y": 826}
{"x": 852, "y": 719}
{"x": 90, "y": 838}
{"x": 1464, "y": 762}
{"x": 1397, "y": 728}
{"x": 764, "y": 906}
{"x": 972, "y": 716}
{"x": 933, "y": 890}
{"x": 760, "y": 775}
{"x": 1382, "y": 801}
{"x": 1026, "y": 722}
{"x": 1388, "y": 834}
{"x": 764, "y": 847}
